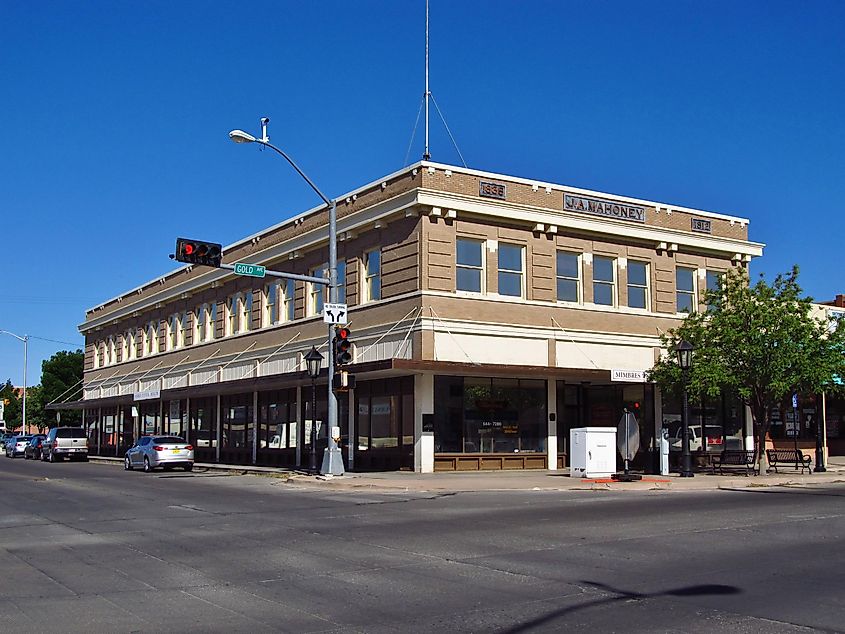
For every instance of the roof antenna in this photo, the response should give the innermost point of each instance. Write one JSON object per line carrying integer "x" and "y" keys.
{"x": 427, "y": 96}
{"x": 426, "y": 154}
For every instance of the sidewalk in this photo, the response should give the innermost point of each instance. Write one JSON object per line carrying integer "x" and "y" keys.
{"x": 541, "y": 480}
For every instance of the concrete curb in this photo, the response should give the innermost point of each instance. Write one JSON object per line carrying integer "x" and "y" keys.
{"x": 501, "y": 481}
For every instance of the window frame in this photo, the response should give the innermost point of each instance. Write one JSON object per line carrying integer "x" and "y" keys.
{"x": 245, "y": 311}
{"x": 371, "y": 280}
{"x": 612, "y": 283}
{"x": 232, "y": 309}
{"x": 270, "y": 305}
{"x": 510, "y": 272}
{"x": 289, "y": 311}
{"x": 481, "y": 268}
{"x": 691, "y": 294}
{"x": 200, "y": 323}
{"x": 646, "y": 287}
{"x": 317, "y": 293}
{"x": 579, "y": 291}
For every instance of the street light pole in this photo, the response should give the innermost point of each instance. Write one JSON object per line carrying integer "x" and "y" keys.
{"x": 313, "y": 361}
{"x": 332, "y": 460}
{"x": 25, "y": 340}
{"x": 684, "y": 351}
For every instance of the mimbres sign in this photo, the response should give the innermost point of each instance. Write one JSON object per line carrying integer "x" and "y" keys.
{"x": 600, "y": 207}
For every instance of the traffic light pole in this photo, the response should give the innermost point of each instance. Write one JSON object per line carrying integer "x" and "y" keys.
{"x": 332, "y": 460}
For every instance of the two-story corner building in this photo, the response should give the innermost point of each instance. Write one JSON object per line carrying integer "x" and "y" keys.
{"x": 490, "y": 315}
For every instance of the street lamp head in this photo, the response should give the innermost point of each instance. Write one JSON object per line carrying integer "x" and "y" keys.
{"x": 239, "y": 136}
{"x": 684, "y": 351}
{"x": 313, "y": 361}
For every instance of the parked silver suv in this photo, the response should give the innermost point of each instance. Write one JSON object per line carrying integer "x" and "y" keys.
{"x": 62, "y": 442}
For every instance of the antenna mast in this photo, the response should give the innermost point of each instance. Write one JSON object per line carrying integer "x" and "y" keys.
{"x": 426, "y": 155}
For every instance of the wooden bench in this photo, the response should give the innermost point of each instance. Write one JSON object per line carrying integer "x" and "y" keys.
{"x": 792, "y": 457}
{"x": 734, "y": 459}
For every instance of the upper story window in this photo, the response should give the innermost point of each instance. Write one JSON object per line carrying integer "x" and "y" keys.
{"x": 151, "y": 338}
{"x": 685, "y": 290}
{"x": 183, "y": 329}
{"x": 604, "y": 281}
{"x": 212, "y": 321}
{"x": 201, "y": 324}
{"x": 372, "y": 275}
{"x": 510, "y": 270}
{"x": 271, "y": 305}
{"x": 99, "y": 354}
{"x": 287, "y": 293}
{"x": 317, "y": 293}
{"x": 246, "y": 312}
{"x": 341, "y": 281}
{"x": 110, "y": 352}
{"x": 568, "y": 277}
{"x": 469, "y": 265}
{"x": 128, "y": 350}
{"x": 638, "y": 295}
{"x": 232, "y": 314}
{"x": 713, "y": 280}
{"x": 176, "y": 327}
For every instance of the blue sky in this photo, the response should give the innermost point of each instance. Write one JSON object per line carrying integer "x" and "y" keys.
{"x": 115, "y": 118}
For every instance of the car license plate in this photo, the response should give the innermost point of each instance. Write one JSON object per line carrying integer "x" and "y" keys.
{"x": 177, "y": 451}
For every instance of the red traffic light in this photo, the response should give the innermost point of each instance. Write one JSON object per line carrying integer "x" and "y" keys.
{"x": 342, "y": 346}
{"x": 198, "y": 252}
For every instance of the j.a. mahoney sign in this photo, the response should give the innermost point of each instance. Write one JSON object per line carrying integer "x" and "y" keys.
{"x": 600, "y": 207}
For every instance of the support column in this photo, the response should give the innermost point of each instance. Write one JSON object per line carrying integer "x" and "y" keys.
{"x": 352, "y": 438}
{"x": 749, "y": 430}
{"x": 255, "y": 427}
{"x": 551, "y": 430}
{"x": 299, "y": 426}
{"x": 218, "y": 432}
{"x": 423, "y": 423}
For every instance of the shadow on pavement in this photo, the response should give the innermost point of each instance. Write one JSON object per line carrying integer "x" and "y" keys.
{"x": 622, "y": 596}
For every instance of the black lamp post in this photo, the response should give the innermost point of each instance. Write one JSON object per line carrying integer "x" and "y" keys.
{"x": 684, "y": 351}
{"x": 313, "y": 361}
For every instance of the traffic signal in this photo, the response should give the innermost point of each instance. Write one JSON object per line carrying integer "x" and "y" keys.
{"x": 342, "y": 346}
{"x": 198, "y": 252}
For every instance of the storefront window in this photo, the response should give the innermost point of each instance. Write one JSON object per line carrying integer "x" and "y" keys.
{"x": 385, "y": 417}
{"x": 484, "y": 415}
{"x": 715, "y": 424}
{"x": 203, "y": 424}
{"x": 175, "y": 418}
{"x": 277, "y": 425}
{"x": 237, "y": 421}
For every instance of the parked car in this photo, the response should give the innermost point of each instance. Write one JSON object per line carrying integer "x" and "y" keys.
{"x": 65, "y": 442}
{"x": 16, "y": 445}
{"x": 159, "y": 451}
{"x": 33, "y": 447}
{"x": 715, "y": 441}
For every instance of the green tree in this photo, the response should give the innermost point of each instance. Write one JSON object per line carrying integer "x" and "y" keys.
{"x": 35, "y": 412}
{"x": 61, "y": 380}
{"x": 12, "y": 406}
{"x": 760, "y": 341}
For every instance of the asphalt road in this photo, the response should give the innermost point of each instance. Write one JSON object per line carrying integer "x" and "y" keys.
{"x": 88, "y": 547}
